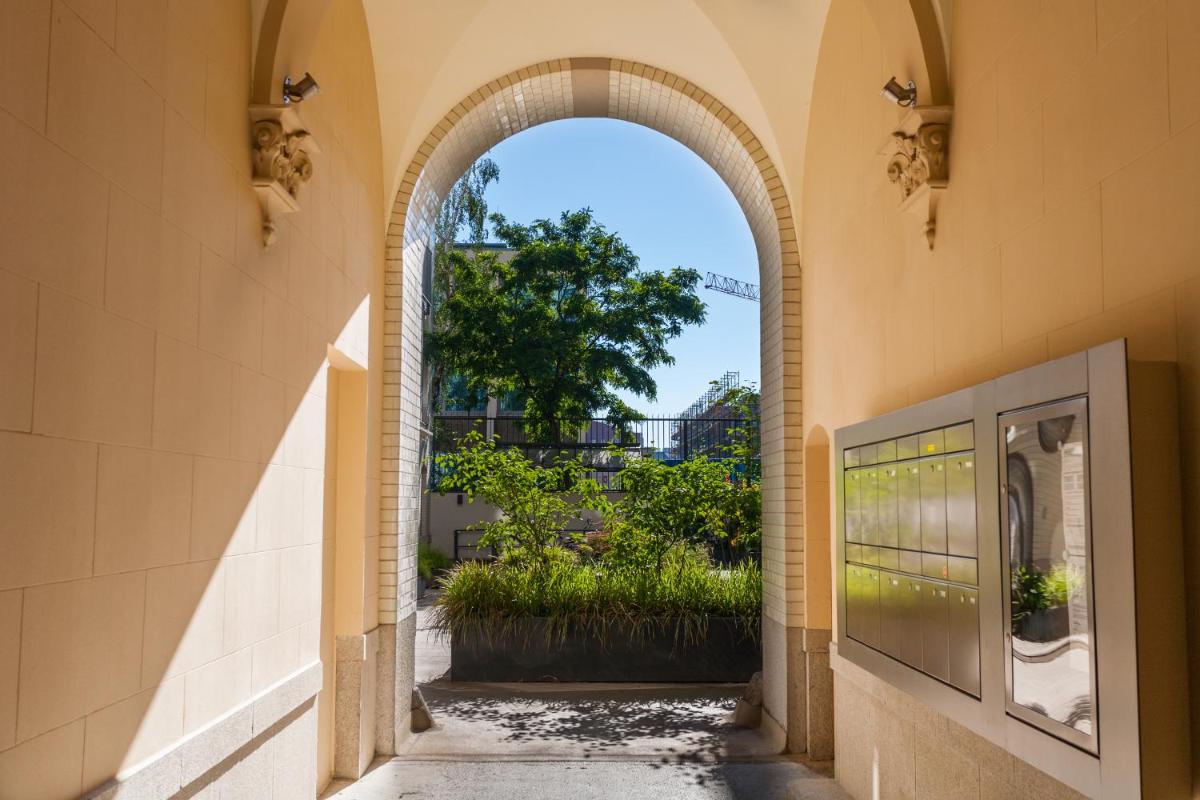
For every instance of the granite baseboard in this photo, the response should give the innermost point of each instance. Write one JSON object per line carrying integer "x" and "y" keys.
{"x": 280, "y": 721}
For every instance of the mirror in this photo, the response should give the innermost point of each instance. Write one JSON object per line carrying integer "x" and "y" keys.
{"x": 1044, "y": 507}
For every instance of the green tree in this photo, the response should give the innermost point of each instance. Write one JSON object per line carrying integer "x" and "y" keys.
{"x": 565, "y": 322}
{"x": 464, "y": 209}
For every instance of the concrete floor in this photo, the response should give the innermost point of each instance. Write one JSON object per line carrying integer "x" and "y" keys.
{"x": 582, "y": 742}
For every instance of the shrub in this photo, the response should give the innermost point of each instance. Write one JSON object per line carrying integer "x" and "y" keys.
{"x": 430, "y": 562}
{"x": 536, "y": 502}
{"x": 489, "y": 598}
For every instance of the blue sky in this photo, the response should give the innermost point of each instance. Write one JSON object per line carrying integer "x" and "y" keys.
{"x": 669, "y": 206}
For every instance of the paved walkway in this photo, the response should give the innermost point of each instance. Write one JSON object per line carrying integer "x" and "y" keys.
{"x": 581, "y": 742}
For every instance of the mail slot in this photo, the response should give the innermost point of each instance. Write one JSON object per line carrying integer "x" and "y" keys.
{"x": 862, "y": 604}
{"x": 964, "y": 639}
{"x": 868, "y": 505}
{"x": 961, "y": 538}
{"x": 851, "y": 506}
{"x": 888, "y": 508}
{"x": 935, "y": 629}
{"x": 933, "y": 504}
{"x": 908, "y": 504}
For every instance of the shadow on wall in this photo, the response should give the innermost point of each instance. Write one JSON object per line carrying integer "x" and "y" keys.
{"x": 246, "y": 609}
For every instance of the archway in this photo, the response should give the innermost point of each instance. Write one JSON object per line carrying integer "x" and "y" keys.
{"x": 633, "y": 92}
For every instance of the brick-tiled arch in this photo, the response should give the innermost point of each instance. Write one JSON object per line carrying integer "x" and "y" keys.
{"x": 668, "y": 103}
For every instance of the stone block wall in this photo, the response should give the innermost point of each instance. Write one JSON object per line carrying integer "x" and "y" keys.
{"x": 163, "y": 404}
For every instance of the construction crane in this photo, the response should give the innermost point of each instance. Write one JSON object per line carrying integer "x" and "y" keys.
{"x": 721, "y": 283}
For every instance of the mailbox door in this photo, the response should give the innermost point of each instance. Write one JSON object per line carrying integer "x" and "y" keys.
{"x": 868, "y": 505}
{"x": 851, "y": 495}
{"x": 908, "y": 504}
{"x": 891, "y": 608}
{"x": 854, "y": 620}
{"x": 964, "y": 639}
{"x": 909, "y": 650}
{"x": 935, "y": 629}
{"x": 888, "y": 507}
{"x": 961, "y": 538}
{"x": 933, "y": 504}
{"x": 870, "y": 607}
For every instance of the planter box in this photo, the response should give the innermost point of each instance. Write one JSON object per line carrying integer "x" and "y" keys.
{"x": 727, "y": 654}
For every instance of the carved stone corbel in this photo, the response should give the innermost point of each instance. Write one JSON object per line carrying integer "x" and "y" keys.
{"x": 918, "y": 162}
{"x": 282, "y": 162}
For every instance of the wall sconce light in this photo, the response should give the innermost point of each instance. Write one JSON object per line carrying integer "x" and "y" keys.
{"x": 905, "y": 95}
{"x": 301, "y": 90}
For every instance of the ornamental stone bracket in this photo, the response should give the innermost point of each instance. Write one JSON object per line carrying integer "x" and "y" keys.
{"x": 283, "y": 152}
{"x": 918, "y": 152}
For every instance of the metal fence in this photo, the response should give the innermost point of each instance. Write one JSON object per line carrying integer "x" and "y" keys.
{"x": 672, "y": 439}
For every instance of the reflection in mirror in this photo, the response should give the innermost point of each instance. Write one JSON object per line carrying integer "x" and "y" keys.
{"x": 1050, "y": 669}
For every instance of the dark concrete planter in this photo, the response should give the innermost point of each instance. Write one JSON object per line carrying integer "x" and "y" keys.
{"x": 728, "y": 653}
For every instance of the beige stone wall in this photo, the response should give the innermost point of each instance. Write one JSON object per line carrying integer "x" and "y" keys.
{"x": 1070, "y": 220}
{"x": 162, "y": 378}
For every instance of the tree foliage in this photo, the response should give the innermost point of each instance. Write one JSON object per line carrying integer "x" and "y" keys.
{"x": 537, "y": 503}
{"x": 465, "y": 208}
{"x": 565, "y": 322}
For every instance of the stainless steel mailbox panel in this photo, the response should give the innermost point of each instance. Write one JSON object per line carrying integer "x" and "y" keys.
{"x": 935, "y": 629}
{"x": 867, "y": 455}
{"x": 891, "y": 598}
{"x": 854, "y": 553}
{"x": 885, "y": 452}
{"x": 961, "y": 538}
{"x": 908, "y": 504}
{"x": 868, "y": 505}
{"x": 933, "y": 504}
{"x": 889, "y": 558}
{"x": 886, "y": 493}
{"x": 862, "y": 604}
{"x": 964, "y": 570}
{"x": 960, "y": 437}
{"x": 851, "y": 506}
{"x": 910, "y": 562}
{"x": 964, "y": 639}
{"x": 870, "y": 555}
{"x": 871, "y": 584}
{"x": 934, "y": 565}
{"x": 908, "y": 447}
{"x": 850, "y": 458}
{"x": 932, "y": 442}
{"x": 854, "y": 609}
{"x": 909, "y": 650}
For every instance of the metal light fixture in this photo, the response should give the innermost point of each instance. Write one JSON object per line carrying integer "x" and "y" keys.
{"x": 301, "y": 90}
{"x": 905, "y": 95}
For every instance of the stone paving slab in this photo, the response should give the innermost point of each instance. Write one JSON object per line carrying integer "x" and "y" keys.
{"x": 778, "y": 779}
{"x": 586, "y": 720}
